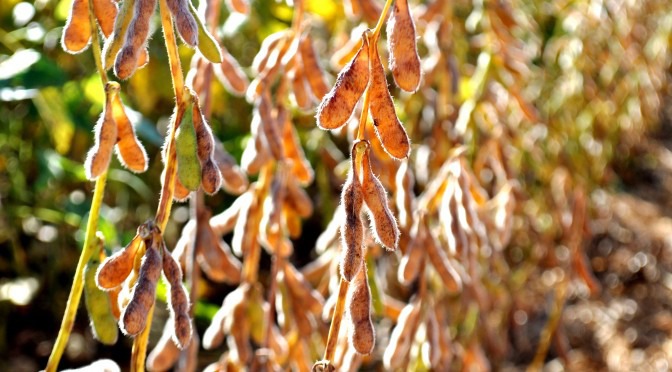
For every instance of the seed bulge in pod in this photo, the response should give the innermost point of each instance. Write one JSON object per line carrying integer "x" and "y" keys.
{"x": 184, "y": 21}
{"x": 98, "y": 158}
{"x": 401, "y": 41}
{"x": 352, "y": 229}
{"x": 134, "y": 317}
{"x": 362, "y": 335}
{"x": 130, "y": 152}
{"x": 384, "y": 226}
{"x": 116, "y": 268}
{"x": 126, "y": 60}
{"x": 188, "y": 165}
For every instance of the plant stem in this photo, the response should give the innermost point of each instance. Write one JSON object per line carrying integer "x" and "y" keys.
{"x": 91, "y": 227}
{"x": 336, "y": 320}
{"x": 78, "y": 280}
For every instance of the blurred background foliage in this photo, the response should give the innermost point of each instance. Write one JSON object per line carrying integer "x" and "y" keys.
{"x": 595, "y": 77}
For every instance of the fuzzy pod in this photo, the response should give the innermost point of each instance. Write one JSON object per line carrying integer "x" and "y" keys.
{"x": 409, "y": 267}
{"x": 298, "y": 199}
{"x": 297, "y": 284}
{"x": 98, "y": 159}
{"x": 234, "y": 180}
{"x": 300, "y": 167}
{"x": 401, "y": 42}
{"x": 103, "y": 323}
{"x": 269, "y": 44}
{"x": 214, "y": 255}
{"x": 206, "y": 42}
{"x": 231, "y": 75}
{"x": 388, "y": 128}
{"x": 77, "y": 31}
{"x": 311, "y": 67}
{"x": 178, "y": 302}
{"x": 302, "y": 98}
{"x": 186, "y": 148}
{"x": 184, "y": 21}
{"x": 443, "y": 266}
{"x": 362, "y": 335}
{"x": 270, "y": 126}
{"x": 224, "y": 222}
{"x": 116, "y": 268}
{"x": 130, "y": 152}
{"x": 271, "y": 215}
{"x": 113, "y": 296}
{"x": 214, "y": 334}
{"x": 134, "y": 316}
{"x": 384, "y": 226}
{"x": 256, "y": 152}
{"x": 352, "y": 228}
{"x": 337, "y": 106}
{"x": 105, "y": 12}
{"x": 402, "y": 336}
{"x": 126, "y": 60}
{"x": 165, "y": 354}
{"x": 115, "y": 41}
{"x": 211, "y": 178}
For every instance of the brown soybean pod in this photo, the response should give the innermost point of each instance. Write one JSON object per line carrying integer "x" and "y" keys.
{"x": 256, "y": 152}
{"x": 270, "y": 126}
{"x": 231, "y": 75}
{"x": 224, "y": 222}
{"x": 302, "y": 290}
{"x": 362, "y": 335}
{"x": 404, "y": 197}
{"x": 178, "y": 300}
{"x": 301, "y": 168}
{"x": 409, "y": 267}
{"x": 298, "y": 199}
{"x": 431, "y": 349}
{"x": 311, "y": 68}
{"x": 184, "y": 21}
{"x": 449, "y": 277}
{"x": 98, "y": 159}
{"x": 267, "y": 46}
{"x": 77, "y": 31}
{"x": 402, "y": 335}
{"x": 389, "y": 129}
{"x": 337, "y": 106}
{"x": 105, "y": 12}
{"x": 385, "y": 229}
{"x": 352, "y": 228}
{"x": 134, "y": 316}
{"x": 138, "y": 30}
{"x": 211, "y": 178}
{"x": 247, "y": 226}
{"x": 214, "y": 255}
{"x": 165, "y": 353}
{"x": 401, "y": 42}
{"x": 234, "y": 181}
{"x": 370, "y": 10}
{"x": 114, "y": 43}
{"x": 129, "y": 150}
{"x": 116, "y": 268}
{"x": 299, "y": 86}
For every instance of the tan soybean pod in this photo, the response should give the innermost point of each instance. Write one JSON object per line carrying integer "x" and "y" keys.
{"x": 98, "y": 159}
{"x": 298, "y": 199}
{"x": 267, "y": 46}
{"x": 309, "y": 298}
{"x": 270, "y": 126}
{"x": 431, "y": 348}
{"x": 402, "y": 335}
{"x": 114, "y": 43}
{"x": 165, "y": 353}
{"x": 384, "y": 226}
{"x": 347, "y": 51}
{"x": 352, "y": 228}
{"x": 105, "y": 12}
{"x": 224, "y": 222}
{"x": 371, "y": 10}
{"x": 247, "y": 225}
{"x": 103, "y": 324}
{"x": 409, "y": 267}
{"x": 214, "y": 255}
{"x": 256, "y": 152}
{"x": 271, "y": 216}
{"x": 234, "y": 180}
{"x": 450, "y": 278}
{"x": 401, "y": 42}
{"x": 362, "y": 335}
{"x": 134, "y": 316}
{"x": 239, "y": 6}
{"x": 404, "y": 197}
{"x": 300, "y": 87}
{"x": 116, "y": 268}
{"x": 77, "y": 31}
{"x": 337, "y": 106}
{"x": 184, "y": 21}
{"x": 389, "y": 129}
{"x": 301, "y": 168}
{"x": 211, "y": 178}
{"x": 126, "y": 60}
{"x": 329, "y": 236}
{"x": 312, "y": 69}
{"x": 178, "y": 301}
{"x": 130, "y": 152}
{"x": 231, "y": 75}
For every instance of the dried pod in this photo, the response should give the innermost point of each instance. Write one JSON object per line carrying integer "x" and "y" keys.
{"x": 231, "y": 75}
{"x": 184, "y": 21}
{"x": 77, "y": 31}
{"x": 126, "y": 60}
{"x": 384, "y": 226}
{"x": 165, "y": 353}
{"x": 301, "y": 168}
{"x": 311, "y": 68}
{"x": 330, "y": 234}
{"x": 337, "y": 106}
{"x": 389, "y": 129}
{"x": 234, "y": 180}
{"x": 345, "y": 53}
{"x": 402, "y": 335}
{"x": 431, "y": 348}
{"x": 267, "y": 47}
{"x": 298, "y": 199}
{"x": 401, "y": 42}
{"x": 114, "y": 43}
{"x": 113, "y": 295}
{"x": 211, "y": 178}
{"x": 404, "y": 197}
{"x": 186, "y": 149}
{"x": 240, "y": 6}
{"x": 105, "y": 12}
{"x": 247, "y": 225}
{"x": 224, "y": 222}
{"x": 130, "y": 152}
{"x": 98, "y": 158}
{"x": 134, "y": 316}
{"x": 178, "y": 301}
{"x": 270, "y": 126}
{"x": 256, "y": 151}
{"x": 271, "y": 216}
{"x": 297, "y": 284}
{"x": 362, "y": 335}
{"x": 449, "y": 277}
{"x": 352, "y": 228}
{"x": 112, "y": 272}
{"x": 299, "y": 86}
{"x": 292, "y": 221}
{"x": 214, "y": 255}
{"x": 103, "y": 323}
{"x": 409, "y": 267}
{"x": 371, "y": 10}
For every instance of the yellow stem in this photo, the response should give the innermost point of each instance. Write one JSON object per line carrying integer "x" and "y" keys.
{"x": 95, "y": 47}
{"x": 381, "y": 21}
{"x": 78, "y": 280}
{"x": 336, "y": 321}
